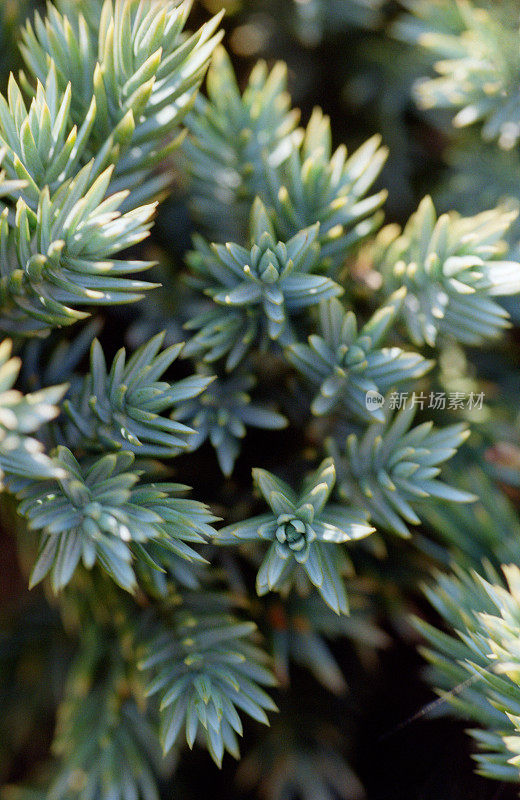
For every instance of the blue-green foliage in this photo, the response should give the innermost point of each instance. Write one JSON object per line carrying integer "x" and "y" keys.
{"x": 100, "y": 512}
{"x": 87, "y": 136}
{"x": 243, "y": 146}
{"x": 259, "y": 289}
{"x": 107, "y": 748}
{"x": 222, "y": 414}
{"x": 347, "y": 363}
{"x": 477, "y": 61}
{"x": 138, "y": 70}
{"x": 60, "y": 255}
{"x": 124, "y": 407}
{"x": 488, "y": 518}
{"x": 40, "y": 146}
{"x": 21, "y": 454}
{"x": 481, "y": 661}
{"x": 230, "y": 136}
{"x": 453, "y": 268}
{"x": 391, "y": 467}
{"x": 98, "y": 106}
{"x": 304, "y": 531}
{"x": 205, "y": 668}
{"x": 316, "y": 185}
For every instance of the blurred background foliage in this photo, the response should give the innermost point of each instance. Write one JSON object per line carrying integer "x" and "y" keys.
{"x": 367, "y": 729}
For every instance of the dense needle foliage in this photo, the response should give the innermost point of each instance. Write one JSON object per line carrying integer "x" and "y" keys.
{"x": 198, "y": 288}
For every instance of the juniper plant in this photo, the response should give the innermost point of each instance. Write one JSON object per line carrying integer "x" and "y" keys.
{"x": 304, "y": 531}
{"x": 347, "y": 364}
{"x": 164, "y": 639}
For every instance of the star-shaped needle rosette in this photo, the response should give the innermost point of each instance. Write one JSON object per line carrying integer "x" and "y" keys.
{"x": 257, "y": 291}
{"x": 305, "y": 533}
